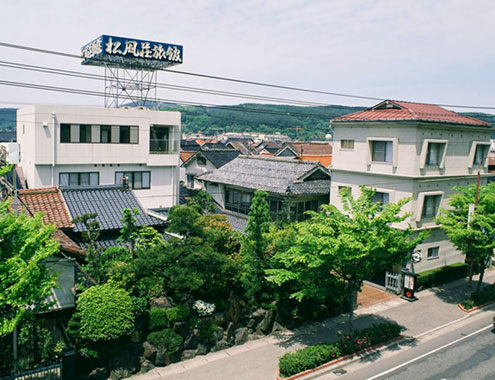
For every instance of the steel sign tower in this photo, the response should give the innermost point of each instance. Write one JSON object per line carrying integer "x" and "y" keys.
{"x": 131, "y": 67}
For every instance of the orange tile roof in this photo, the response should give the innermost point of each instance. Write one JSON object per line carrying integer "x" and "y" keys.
{"x": 390, "y": 110}
{"x": 184, "y": 156}
{"x": 50, "y": 202}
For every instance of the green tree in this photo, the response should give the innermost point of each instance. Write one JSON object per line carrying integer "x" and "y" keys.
{"x": 476, "y": 237}
{"x": 335, "y": 248}
{"x": 25, "y": 281}
{"x": 254, "y": 245}
{"x": 105, "y": 313}
{"x": 203, "y": 200}
{"x": 95, "y": 262}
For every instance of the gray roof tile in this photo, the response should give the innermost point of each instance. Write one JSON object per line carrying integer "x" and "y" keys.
{"x": 106, "y": 201}
{"x": 275, "y": 175}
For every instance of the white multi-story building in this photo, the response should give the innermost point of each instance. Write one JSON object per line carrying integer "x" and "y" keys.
{"x": 412, "y": 150}
{"x": 73, "y": 146}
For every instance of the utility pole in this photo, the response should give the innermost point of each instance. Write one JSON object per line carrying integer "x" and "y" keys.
{"x": 471, "y": 212}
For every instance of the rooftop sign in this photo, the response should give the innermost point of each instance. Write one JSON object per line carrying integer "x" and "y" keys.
{"x": 130, "y": 53}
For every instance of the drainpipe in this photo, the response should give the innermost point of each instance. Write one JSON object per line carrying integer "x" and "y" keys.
{"x": 54, "y": 138}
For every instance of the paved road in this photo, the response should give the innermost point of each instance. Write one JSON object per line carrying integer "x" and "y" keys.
{"x": 463, "y": 350}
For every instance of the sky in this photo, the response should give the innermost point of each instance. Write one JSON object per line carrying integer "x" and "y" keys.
{"x": 428, "y": 51}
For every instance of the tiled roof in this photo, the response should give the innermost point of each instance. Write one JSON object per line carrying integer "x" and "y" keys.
{"x": 68, "y": 245}
{"x": 392, "y": 110}
{"x": 275, "y": 175}
{"x": 237, "y": 223}
{"x": 184, "y": 194}
{"x": 239, "y": 145}
{"x": 49, "y": 201}
{"x": 108, "y": 202}
{"x": 217, "y": 157}
{"x": 309, "y": 148}
{"x": 184, "y": 156}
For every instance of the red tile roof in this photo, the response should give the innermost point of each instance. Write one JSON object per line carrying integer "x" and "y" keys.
{"x": 184, "y": 156}
{"x": 50, "y": 202}
{"x": 390, "y": 110}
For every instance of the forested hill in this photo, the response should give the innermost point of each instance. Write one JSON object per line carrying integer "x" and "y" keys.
{"x": 7, "y": 119}
{"x": 302, "y": 123}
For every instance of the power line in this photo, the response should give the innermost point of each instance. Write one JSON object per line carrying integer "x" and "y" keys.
{"x": 180, "y": 102}
{"x": 79, "y": 74}
{"x": 46, "y": 51}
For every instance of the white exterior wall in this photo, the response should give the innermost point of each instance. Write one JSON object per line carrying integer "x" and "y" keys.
{"x": 192, "y": 168}
{"x": 405, "y": 177}
{"x": 43, "y": 158}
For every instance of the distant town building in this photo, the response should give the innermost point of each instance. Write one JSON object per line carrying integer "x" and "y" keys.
{"x": 405, "y": 149}
{"x": 309, "y": 151}
{"x": 72, "y": 146}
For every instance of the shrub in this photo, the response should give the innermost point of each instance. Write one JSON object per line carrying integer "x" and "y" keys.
{"x": 314, "y": 356}
{"x": 105, "y": 313}
{"x": 207, "y": 330}
{"x": 177, "y": 313}
{"x": 167, "y": 339}
{"x": 441, "y": 275}
{"x": 158, "y": 318}
{"x": 486, "y": 294}
{"x": 306, "y": 358}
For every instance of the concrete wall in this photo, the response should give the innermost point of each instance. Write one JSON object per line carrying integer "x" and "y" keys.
{"x": 407, "y": 175}
{"x": 43, "y": 157}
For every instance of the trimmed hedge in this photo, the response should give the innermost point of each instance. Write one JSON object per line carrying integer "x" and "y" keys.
{"x": 167, "y": 339}
{"x": 158, "y": 318}
{"x": 485, "y": 295}
{"x": 314, "y": 356}
{"x": 177, "y": 313}
{"x": 441, "y": 275}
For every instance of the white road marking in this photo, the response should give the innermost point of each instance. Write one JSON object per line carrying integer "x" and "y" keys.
{"x": 429, "y": 353}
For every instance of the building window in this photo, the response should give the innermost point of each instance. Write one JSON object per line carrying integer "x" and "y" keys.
{"x": 79, "y": 179}
{"x": 159, "y": 139}
{"x": 381, "y": 151}
{"x": 190, "y": 180}
{"x": 480, "y": 154}
{"x": 382, "y": 198}
{"x": 74, "y": 133}
{"x": 137, "y": 180}
{"x": 65, "y": 133}
{"x": 430, "y": 206}
{"x": 85, "y": 133}
{"x": 434, "y": 154}
{"x": 238, "y": 201}
{"x": 347, "y": 144}
{"x": 433, "y": 253}
{"x": 201, "y": 161}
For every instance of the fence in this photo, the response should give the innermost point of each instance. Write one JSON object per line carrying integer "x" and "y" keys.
{"x": 62, "y": 369}
{"x": 393, "y": 282}
{"x": 51, "y": 371}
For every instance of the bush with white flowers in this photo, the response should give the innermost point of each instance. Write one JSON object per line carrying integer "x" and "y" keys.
{"x": 203, "y": 309}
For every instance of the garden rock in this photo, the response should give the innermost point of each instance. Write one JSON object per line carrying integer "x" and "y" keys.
{"x": 230, "y": 334}
{"x": 125, "y": 362}
{"x": 241, "y": 335}
{"x": 149, "y": 351}
{"x": 267, "y": 323}
{"x": 233, "y": 309}
{"x": 191, "y": 342}
{"x": 218, "y": 319}
{"x": 181, "y": 328}
{"x": 188, "y": 354}
{"x": 99, "y": 373}
{"x": 162, "y": 302}
{"x": 221, "y": 345}
{"x": 202, "y": 349}
{"x": 135, "y": 336}
{"x": 277, "y": 327}
{"x": 258, "y": 314}
{"x": 251, "y": 324}
{"x": 146, "y": 366}
{"x": 162, "y": 358}
{"x": 219, "y": 334}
